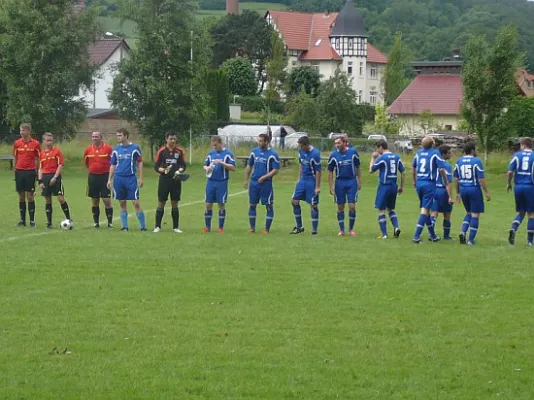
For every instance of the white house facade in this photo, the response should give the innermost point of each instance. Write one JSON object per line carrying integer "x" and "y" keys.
{"x": 330, "y": 41}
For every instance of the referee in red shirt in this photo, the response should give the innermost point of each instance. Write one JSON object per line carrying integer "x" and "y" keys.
{"x": 26, "y": 152}
{"x": 97, "y": 159}
{"x": 51, "y": 163}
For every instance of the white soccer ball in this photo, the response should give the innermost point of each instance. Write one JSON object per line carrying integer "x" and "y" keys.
{"x": 66, "y": 225}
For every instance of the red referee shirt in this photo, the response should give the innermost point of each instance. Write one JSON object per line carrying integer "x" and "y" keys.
{"x": 50, "y": 159}
{"x": 97, "y": 159}
{"x": 26, "y": 153}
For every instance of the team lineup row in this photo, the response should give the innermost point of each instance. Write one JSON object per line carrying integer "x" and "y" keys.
{"x": 119, "y": 170}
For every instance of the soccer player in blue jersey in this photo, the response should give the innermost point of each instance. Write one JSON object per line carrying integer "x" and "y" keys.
{"x": 389, "y": 165}
{"x": 521, "y": 170}
{"x": 266, "y": 164}
{"x": 441, "y": 199}
{"x": 308, "y": 186}
{"x": 219, "y": 162}
{"x": 427, "y": 165}
{"x": 126, "y": 159}
{"x": 469, "y": 174}
{"x": 345, "y": 162}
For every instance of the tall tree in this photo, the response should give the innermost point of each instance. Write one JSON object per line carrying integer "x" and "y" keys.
{"x": 303, "y": 78}
{"x": 395, "y": 80}
{"x": 45, "y": 62}
{"x": 159, "y": 87}
{"x": 302, "y": 112}
{"x": 489, "y": 84}
{"x": 241, "y": 77}
{"x": 276, "y": 72}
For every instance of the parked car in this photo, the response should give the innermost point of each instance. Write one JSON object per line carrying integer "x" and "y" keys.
{"x": 335, "y": 135}
{"x": 376, "y": 137}
{"x": 292, "y": 138}
{"x": 404, "y": 146}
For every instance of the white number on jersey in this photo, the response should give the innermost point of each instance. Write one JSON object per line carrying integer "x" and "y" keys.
{"x": 467, "y": 171}
{"x": 524, "y": 163}
{"x": 392, "y": 167}
{"x": 422, "y": 165}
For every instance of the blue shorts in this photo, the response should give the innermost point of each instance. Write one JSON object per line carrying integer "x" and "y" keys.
{"x": 305, "y": 190}
{"x": 216, "y": 191}
{"x": 426, "y": 192}
{"x": 386, "y": 197}
{"x": 524, "y": 198}
{"x": 261, "y": 191}
{"x": 346, "y": 191}
{"x": 472, "y": 199}
{"x": 125, "y": 188}
{"x": 441, "y": 201}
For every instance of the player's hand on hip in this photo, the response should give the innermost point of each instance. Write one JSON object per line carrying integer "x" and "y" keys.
{"x": 140, "y": 183}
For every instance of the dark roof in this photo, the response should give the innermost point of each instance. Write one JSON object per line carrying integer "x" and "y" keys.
{"x": 437, "y": 64}
{"x": 349, "y": 22}
{"x": 441, "y": 94}
{"x": 102, "y": 49}
{"x": 99, "y": 112}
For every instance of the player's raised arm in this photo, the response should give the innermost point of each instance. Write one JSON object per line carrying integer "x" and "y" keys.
{"x": 372, "y": 164}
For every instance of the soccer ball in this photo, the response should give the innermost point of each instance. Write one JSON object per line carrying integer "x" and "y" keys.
{"x": 66, "y": 225}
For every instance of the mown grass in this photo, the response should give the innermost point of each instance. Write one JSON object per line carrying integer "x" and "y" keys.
{"x": 236, "y": 315}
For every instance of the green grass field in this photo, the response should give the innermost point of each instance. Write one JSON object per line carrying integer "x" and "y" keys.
{"x": 235, "y": 315}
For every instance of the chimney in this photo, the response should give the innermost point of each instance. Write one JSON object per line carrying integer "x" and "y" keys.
{"x": 232, "y": 7}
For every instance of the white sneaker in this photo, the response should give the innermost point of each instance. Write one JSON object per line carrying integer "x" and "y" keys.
{"x": 177, "y": 230}
{"x": 156, "y": 229}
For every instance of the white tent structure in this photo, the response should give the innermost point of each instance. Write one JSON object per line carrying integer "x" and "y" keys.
{"x": 235, "y": 134}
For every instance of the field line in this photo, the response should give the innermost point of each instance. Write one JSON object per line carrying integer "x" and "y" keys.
{"x": 130, "y": 215}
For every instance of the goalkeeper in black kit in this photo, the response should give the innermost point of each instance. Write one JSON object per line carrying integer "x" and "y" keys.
{"x": 170, "y": 164}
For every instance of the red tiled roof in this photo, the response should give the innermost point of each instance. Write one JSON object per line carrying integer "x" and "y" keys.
{"x": 441, "y": 94}
{"x": 301, "y": 31}
{"x": 102, "y": 49}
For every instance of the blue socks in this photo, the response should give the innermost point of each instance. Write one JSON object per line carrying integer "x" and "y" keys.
{"x": 124, "y": 219}
{"x": 393, "y": 219}
{"x": 341, "y": 220}
{"x": 314, "y": 218}
{"x": 297, "y": 212}
{"x": 430, "y": 221}
{"x": 446, "y": 228}
{"x": 252, "y": 217}
{"x": 530, "y": 229}
{"x": 352, "y": 219}
{"x": 222, "y": 216}
{"x": 383, "y": 224}
{"x": 473, "y": 229}
{"x": 466, "y": 223}
{"x": 420, "y": 225}
{"x": 269, "y": 218}
{"x": 207, "y": 218}
{"x": 141, "y": 218}
{"x": 517, "y": 221}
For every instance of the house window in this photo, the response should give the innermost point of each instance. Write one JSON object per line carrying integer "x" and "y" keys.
{"x": 372, "y": 98}
{"x": 351, "y": 43}
{"x": 373, "y": 71}
{"x": 315, "y": 66}
{"x": 361, "y": 68}
{"x": 360, "y": 94}
{"x": 530, "y": 84}
{"x": 349, "y": 68}
{"x": 448, "y": 127}
{"x": 337, "y": 44}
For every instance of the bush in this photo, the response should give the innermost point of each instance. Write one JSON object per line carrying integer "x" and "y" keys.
{"x": 258, "y": 103}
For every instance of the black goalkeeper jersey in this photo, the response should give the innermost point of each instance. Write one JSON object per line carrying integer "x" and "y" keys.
{"x": 173, "y": 159}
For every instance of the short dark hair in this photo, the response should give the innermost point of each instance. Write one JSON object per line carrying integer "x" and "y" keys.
{"x": 124, "y": 131}
{"x": 170, "y": 133}
{"x": 444, "y": 149}
{"x": 470, "y": 147}
{"x": 264, "y": 136}
{"x": 527, "y": 142}
{"x": 216, "y": 138}
{"x": 304, "y": 140}
{"x": 382, "y": 143}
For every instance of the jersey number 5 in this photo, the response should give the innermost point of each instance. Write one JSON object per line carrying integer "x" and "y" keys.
{"x": 392, "y": 167}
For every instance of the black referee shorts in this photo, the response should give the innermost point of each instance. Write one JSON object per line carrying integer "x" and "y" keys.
{"x": 52, "y": 190}
{"x": 25, "y": 180}
{"x": 97, "y": 186}
{"x": 169, "y": 186}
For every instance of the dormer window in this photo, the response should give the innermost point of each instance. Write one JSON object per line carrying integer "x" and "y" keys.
{"x": 351, "y": 43}
{"x": 337, "y": 44}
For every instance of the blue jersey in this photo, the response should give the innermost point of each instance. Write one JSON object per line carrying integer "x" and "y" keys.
{"x": 448, "y": 170}
{"x": 219, "y": 172}
{"x": 264, "y": 161}
{"x": 427, "y": 163}
{"x": 345, "y": 164}
{"x": 522, "y": 165}
{"x": 469, "y": 170}
{"x": 389, "y": 165}
{"x": 125, "y": 159}
{"x": 310, "y": 163}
